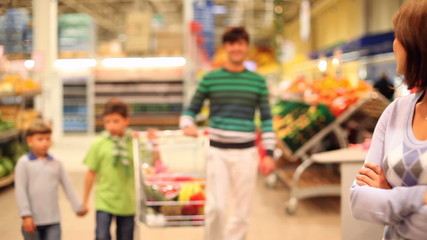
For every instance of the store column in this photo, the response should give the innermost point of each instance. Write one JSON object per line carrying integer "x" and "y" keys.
{"x": 45, "y": 50}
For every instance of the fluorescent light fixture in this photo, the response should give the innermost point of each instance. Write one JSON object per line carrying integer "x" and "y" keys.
{"x": 323, "y": 65}
{"x": 363, "y": 73}
{"x": 335, "y": 62}
{"x": 143, "y": 62}
{"x": 29, "y": 64}
{"x": 122, "y": 62}
{"x": 74, "y": 64}
{"x": 164, "y": 62}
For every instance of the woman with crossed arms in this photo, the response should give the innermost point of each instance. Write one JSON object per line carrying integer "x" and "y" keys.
{"x": 391, "y": 188}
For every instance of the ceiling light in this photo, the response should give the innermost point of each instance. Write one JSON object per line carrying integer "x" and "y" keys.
{"x": 29, "y": 64}
{"x": 74, "y": 64}
{"x": 323, "y": 65}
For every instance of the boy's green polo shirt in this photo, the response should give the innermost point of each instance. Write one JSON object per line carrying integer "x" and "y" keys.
{"x": 115, "y": 189}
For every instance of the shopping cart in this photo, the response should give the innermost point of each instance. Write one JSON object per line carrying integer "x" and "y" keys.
{"x": 169, "y": 179}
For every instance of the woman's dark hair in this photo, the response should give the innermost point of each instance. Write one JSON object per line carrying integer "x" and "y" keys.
{"x": 410, "y": 26}
{"x": 234, "y": 34}
{"x": 115, "y": 105}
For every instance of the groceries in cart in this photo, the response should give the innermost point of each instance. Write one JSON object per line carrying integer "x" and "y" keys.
{"x": 170, "y": 182}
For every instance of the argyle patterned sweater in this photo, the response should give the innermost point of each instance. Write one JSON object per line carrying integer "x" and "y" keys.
{"x": 404, "y": 161}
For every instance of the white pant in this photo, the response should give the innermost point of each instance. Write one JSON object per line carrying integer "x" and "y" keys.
{"x": 231, "y": 176}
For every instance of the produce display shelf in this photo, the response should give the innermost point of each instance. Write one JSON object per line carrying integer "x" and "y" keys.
{"x": 7, "y": 180}
{"x": 7, "y": 135}
{"x": 311, "y": 178}
{"x": 24, "y": 94}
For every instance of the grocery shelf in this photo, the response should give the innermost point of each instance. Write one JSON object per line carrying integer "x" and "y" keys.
{"x": 8, "y": 135}
{"x": 312, "y": 178}
{"x": 7, "y": 180}
{"x": 106, "y": 80}
{"x": 155, "y": 96}
{"x": 76, "y": 91}
{"x": 24, "y": 94}
{"x": 140, "y": 87}
{"x": 141, "y": 99}
{"x": 31, "y": 93}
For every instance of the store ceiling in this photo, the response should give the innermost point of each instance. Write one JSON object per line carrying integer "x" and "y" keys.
{"x": 110, "y": 15}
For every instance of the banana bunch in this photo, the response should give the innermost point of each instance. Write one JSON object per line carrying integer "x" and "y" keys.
{"x": 188, "y": 190}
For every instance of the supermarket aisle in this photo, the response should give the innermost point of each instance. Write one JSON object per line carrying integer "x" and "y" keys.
{"x": 316, "y": 219}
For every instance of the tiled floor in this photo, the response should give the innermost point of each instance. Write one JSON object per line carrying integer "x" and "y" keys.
{"x": 317, "y": 218}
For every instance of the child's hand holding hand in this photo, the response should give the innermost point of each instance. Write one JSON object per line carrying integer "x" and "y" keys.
{"x": 82, "y": 212}
{"x": 28, "y": 224}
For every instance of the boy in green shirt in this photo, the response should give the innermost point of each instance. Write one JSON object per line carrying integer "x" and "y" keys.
{"x": 110, "y": 164}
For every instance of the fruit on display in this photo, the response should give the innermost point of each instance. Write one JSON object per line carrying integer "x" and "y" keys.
{"x": 6, "y": 166}
{"x": 18, "y": 150}
{"x": 172, "y": 198}
{"x": 5, "y": 125}
{"x": 188, "y": 190}
{"x": 3, "y": 171}
{"x": 170, "y": 210}
{"x": 155, "y": 220}
{"x": 6, "y": 87}
{"x": 153, "y": 194}
{"x": 336, "y": 93}
{"x": 200, "y": 196}
{"x": 175, "y": 191}
{"x": 190, "y": 210}
{"x": 169, "y": 191}
{"x": 14, "y": 83}
{"x": 296, "y": 122}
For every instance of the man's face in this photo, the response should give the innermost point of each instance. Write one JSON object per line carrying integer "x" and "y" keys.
{"x": 237, "y": 51}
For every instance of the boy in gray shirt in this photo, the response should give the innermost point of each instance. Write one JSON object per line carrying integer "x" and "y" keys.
{"x": 37, "y": 177}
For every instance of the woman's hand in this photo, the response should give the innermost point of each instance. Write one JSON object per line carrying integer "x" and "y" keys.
{"x": 372, "y": 175}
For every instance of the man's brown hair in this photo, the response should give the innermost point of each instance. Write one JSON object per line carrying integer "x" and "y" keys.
{"x": 38, "y": 127}
{"x": 410, "y": 26}
{"x": 115, "y": 105}
{"x": 234, "y": 34}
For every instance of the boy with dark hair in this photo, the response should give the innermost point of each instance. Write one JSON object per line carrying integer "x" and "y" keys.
{"x": 235, "y": 94}
{"x": 37, "y": 177}
{"x": 110, "y": 164}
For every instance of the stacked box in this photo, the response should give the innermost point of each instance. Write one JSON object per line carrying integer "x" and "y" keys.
{"x": 75, "y": 108}
{"x": 76, "y": 35}
{"x": 2, "y": 30}
{"x": 169, "y": 43}
{"x": 16, "y": 24}
{"x": 138, "y": 26}
{"x": 203, "y": 14}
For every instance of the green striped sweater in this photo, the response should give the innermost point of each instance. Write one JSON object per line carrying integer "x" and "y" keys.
{"x": 234, "y": 99}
